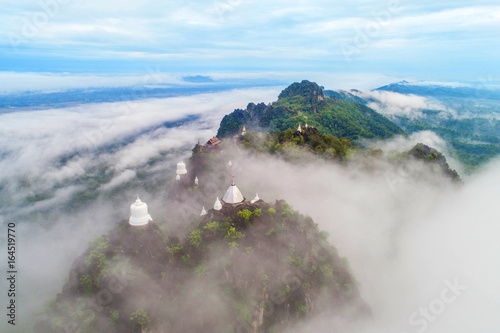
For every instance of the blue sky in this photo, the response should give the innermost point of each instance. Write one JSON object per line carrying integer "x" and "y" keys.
{"x": 395, "y": 39}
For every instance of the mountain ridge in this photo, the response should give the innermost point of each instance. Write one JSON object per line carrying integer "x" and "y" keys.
{"x": 137, "y": 279}
{"x": 305, "y": 102}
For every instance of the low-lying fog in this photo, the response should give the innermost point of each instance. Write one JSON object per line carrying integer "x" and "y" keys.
{"x": 424, "y": 251}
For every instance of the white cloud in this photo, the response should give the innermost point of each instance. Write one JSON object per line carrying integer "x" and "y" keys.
{"x": 120, "y": 179}
{"x": 440, "y": 83}
{"x": 393, "y": 103}
{"x": 462, "y": 19}
{"x": 16, "y": 82}
{"x": 34, "y": 143}
{"x": 399, "y": 22}
{"x": 152, "y": 30}
{"x": 401, "y": 144}
{"x": 404, "y": 233}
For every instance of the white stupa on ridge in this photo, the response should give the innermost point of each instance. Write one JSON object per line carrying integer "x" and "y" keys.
{"x": 255, "y": 199}
{"x": 203, "y": 211}
{"x": 233, "y": 195}
{"x": 217, "y": 205}
{"x": 196, "y": 181}
{"x": 139, "y": 213}
{"x": 299, "y": 129}
{"x": 181, "y": 168}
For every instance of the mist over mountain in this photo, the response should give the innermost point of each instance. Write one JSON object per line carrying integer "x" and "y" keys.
{"x": 393, "y": 217}
{"x": 224, "y": 249}
{"x": 254, "y": 267}
{"x": 466, "y": 116}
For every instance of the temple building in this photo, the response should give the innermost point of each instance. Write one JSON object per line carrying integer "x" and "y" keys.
{"x": 213, "y": 142}
{"x": 244, "y": 131}
{"x": 139, "y": 213}
{"x": 233, "y": 195}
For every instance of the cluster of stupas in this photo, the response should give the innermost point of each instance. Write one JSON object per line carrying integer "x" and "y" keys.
{"x": 139, "y": 215}
{"x": 139, "y": 210}
{"x": 233, "y": 196}
{"x": 299, "y": 129}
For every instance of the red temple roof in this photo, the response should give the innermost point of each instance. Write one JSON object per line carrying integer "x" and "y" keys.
{"x": 213, "y": 142}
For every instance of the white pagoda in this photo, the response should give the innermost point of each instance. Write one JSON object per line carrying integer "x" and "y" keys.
{"x": 233, "y": 195}
{"x": 218, "y": 204}
{"x": 181, "y": 168}
{"x": 139, "y": 213}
